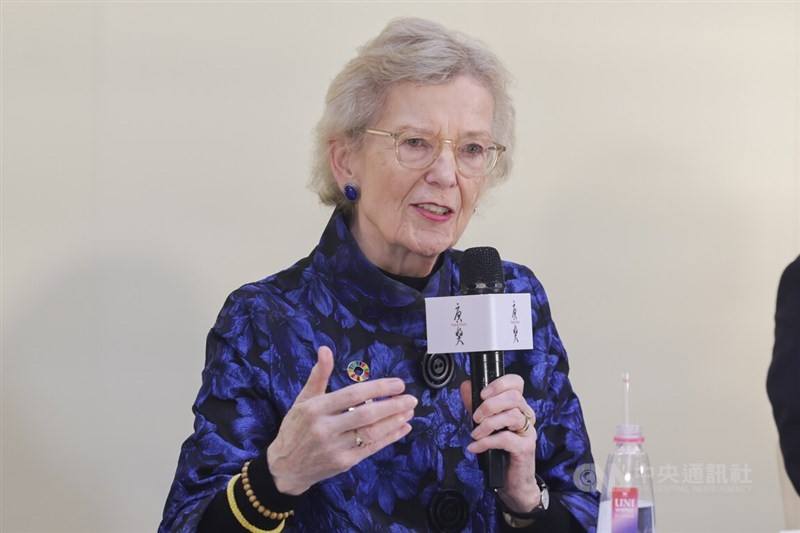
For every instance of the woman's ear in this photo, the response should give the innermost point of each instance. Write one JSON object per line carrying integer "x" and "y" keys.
{"x": 341, "y": 159}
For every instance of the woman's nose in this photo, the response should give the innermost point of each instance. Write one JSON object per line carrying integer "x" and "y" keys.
{"x": 444, "y": 168}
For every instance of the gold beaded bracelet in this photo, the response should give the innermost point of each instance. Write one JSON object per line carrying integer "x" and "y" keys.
{"x": 240, "y": 517}
{"x": 263, "y": 511}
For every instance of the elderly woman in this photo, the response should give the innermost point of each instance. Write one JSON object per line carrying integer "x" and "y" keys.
{"x": 287, "y": 436}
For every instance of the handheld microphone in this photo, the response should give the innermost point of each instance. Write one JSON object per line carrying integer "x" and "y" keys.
{"x": 482, "y": 273}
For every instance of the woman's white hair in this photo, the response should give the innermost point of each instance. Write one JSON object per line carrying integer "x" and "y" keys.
{"x": 407, "y": 50}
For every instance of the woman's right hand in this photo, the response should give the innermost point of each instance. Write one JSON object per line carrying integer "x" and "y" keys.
{"x": 319, "y": 437}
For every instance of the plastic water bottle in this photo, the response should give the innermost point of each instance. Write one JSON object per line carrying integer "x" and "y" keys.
{"x": 626, "y": 502}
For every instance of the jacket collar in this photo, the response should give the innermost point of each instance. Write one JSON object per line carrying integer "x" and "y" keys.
{"x": 355, "y": 280}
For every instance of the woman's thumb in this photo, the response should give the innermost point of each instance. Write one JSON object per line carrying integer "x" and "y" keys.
{"x": 466, "y": 395}
{"x": 317, "y": 382}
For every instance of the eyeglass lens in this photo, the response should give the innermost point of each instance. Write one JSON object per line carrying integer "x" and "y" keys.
{"x": 475, "y": 156}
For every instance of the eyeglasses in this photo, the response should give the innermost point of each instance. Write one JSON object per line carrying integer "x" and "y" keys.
{"x": 476, "y": 156}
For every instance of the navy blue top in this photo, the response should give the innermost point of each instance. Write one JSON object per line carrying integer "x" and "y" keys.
{"x": 260, "y": 353}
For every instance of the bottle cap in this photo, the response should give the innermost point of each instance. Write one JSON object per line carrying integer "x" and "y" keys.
{"x": 629, "y": 433}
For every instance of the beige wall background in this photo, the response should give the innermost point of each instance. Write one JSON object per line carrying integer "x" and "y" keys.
{"x": 155, "y": 157}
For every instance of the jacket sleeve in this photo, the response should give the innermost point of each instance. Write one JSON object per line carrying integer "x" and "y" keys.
{"x": 563, "y": 453}
{"x": 233, "y": 421}
{"x": 784, "y": 371}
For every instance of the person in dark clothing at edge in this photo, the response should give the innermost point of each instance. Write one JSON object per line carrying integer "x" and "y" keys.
{"x": 416, "y": 128}
{"x": 783, "y": 378}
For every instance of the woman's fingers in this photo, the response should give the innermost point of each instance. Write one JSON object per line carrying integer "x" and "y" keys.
{"x": 354, "y": 395}
{"x": 510, "y": 399}
{"x": 513, "y": 419}
{"x": 503, "y": 407}
{"x": 350, "y": 447}
{"x": 518, "y": 445}
{"x": 502, "y": 384}
{"x": 375, "y": 432}
{"x": 317, "y": 437}
{"x": 500, "y": 420}
{"x": 380, "y": 435}
{"x": 370, "y": 413}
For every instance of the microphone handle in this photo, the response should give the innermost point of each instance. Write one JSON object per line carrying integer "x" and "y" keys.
{"x": 487, "y": 367}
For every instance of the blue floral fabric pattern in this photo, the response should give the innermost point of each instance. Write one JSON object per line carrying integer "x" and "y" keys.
{"x": 260, "y": 352}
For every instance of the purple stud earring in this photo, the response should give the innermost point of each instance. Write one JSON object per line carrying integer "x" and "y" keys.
{"x": 351, "y": 192}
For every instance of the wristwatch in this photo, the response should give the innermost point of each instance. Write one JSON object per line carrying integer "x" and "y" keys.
{"x": 516, "y": 519}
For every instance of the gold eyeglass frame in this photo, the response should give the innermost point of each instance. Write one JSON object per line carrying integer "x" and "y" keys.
{"x": 453, "y": 144}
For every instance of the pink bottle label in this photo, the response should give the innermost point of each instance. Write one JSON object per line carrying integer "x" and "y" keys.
{"x": 624, "y": 510}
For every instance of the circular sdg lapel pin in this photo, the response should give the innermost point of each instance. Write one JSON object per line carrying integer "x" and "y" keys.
{"x": 358, "y": 371}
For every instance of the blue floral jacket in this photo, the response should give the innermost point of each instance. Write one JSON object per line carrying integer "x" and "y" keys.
{"x": 260, "y": 353}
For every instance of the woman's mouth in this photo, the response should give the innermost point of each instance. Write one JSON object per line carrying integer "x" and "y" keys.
{"x": 435, "y": 212}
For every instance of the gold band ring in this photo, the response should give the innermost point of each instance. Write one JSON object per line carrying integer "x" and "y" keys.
{"x": 522, "y": 432}
{"x": 359, "y": 440}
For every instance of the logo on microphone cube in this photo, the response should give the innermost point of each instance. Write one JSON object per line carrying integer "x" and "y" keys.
{"x": 459, "y": 336}
{"x": 515, "y": 321}
{"x": 458, "y": 323}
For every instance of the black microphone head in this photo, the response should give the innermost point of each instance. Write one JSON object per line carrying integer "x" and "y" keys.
{"x": 482, "y": 271}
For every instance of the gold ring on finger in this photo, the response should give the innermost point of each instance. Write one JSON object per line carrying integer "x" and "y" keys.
{"x": 359, "y": 440}
{"x": 354, "y": 407}
{"x": 524, "y": 430}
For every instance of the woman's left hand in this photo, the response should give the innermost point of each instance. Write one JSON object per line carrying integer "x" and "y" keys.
{"x": 499, "y": 424}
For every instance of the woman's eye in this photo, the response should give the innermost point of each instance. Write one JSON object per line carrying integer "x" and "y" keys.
{"x": 473, "y": 149}
{"x": 416, "y": 142}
